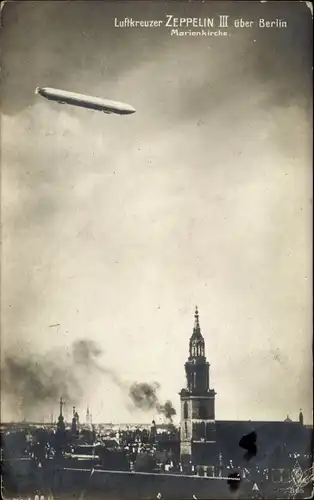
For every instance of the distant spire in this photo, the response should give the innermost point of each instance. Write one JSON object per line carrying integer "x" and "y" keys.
{"x": 61, "y": 406}
{"x": 60, "y": 424}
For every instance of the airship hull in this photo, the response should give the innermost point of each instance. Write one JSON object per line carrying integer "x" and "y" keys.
{"x": 85, "y": 101}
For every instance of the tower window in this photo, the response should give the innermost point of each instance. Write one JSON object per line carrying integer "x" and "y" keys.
{"x": 203, "y": 412}
{"x": 185, "y": 411}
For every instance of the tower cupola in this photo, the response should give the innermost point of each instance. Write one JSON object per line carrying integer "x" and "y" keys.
{"x": 197, "y": 343}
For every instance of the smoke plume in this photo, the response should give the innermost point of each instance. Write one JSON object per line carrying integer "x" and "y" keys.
{"x": 33, "y": 383}
{"x": 168, "y": 410}
{"x": 144, "y": 396}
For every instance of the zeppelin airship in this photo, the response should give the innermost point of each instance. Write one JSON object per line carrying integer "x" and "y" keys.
{"x": 85, "y": 101}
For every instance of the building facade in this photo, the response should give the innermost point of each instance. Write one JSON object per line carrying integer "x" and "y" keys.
{"x": 197, "y": 427}
{"x": 266, "y": 451}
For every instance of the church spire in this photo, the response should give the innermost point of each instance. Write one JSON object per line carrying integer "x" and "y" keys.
{"x": 61, "y": 424}
{"x": 197, "y": 377}
{"x": 197, "y": 328}
{"x": 61, "y": 406}
{"x": 197, "y": 344}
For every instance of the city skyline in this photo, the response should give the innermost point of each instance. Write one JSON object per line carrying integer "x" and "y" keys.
{"x": 154, "y": 415}
{"x": 114, "y": 228}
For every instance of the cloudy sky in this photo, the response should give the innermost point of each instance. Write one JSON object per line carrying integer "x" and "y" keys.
{"x": 114, "y": 228}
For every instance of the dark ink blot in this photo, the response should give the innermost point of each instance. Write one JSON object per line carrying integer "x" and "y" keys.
{"x": 234, "y": 480}
{"x": 248, "y": 443}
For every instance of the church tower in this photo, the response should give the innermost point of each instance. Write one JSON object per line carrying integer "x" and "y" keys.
{"x": 197, "y": 429}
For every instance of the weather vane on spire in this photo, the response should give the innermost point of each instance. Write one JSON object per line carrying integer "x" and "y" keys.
{"x": 196, "y": 316}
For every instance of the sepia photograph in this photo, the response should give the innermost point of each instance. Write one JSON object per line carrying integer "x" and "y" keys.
{"x": 156, "y": 250}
